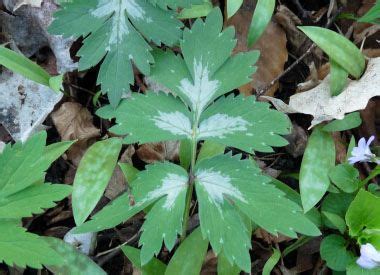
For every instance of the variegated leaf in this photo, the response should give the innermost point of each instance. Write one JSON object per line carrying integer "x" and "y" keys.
{"x": 204, "y": 73}
{"x": 226, "y": 187}
{"x": 244, "y": 123}
{"x": 150, "y": 118}
{"x": 115, "y": 31}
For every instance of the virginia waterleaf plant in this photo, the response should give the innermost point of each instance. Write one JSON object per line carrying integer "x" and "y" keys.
{"x": 116, "y": 33}
{"x": 229, "y": 190}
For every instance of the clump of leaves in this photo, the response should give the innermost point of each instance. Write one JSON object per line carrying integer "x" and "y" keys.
{"x": 118, "y": 31}
{"x": 231, "y": 192}
{"x": 24, "y": 193}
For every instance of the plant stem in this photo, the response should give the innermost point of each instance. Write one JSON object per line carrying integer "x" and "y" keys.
{"x": 189, "y": 194}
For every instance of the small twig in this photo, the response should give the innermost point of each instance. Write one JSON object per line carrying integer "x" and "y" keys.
{"x": 295, "y": 63}
{"x": 134, "y": 237}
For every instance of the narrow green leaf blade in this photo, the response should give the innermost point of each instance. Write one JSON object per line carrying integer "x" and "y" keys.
{"x": 260, "y": 20}
{"x": 189, "y": 256}
{"x": 317, "y": 161}
{"x": 225, "y": 267}
{"x": 233, "y": 6}
{"x": 20, "y": 64}
{"x": 154, "y": 267}
{"x": 196, "y": 11}
{"x": 74, "y": 262}
{"x": 92, "y": 177}
{"x": 271, "y": 262}
{"x": 338, "y": 78}
{"x": 338, "y": 48}
{"x": 210, "y": 149}
{"x": 349, "y": 121}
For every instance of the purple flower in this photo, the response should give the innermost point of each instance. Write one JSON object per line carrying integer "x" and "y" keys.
{"x": 362, "y": 153}
{"x": 369, "y": 257}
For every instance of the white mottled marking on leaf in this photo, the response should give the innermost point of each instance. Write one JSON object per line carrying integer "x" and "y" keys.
{"x": 217, "y": 185}
{"x": 175, "y": 122}
{"x": 118, "y": 9}
{"x": 171, "y": 186}
{"x": 201, "y": 90}
{"x": 220, "y": 125}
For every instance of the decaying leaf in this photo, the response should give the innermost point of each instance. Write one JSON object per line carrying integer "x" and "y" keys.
{"x": 26, "y": 27}
{"x": 24, "y": 104}
{"x": 272, "y": 47}
{"x": 160, "y": 151}
{"x": 73, "y": 121}
{"x": 319, "y": 103}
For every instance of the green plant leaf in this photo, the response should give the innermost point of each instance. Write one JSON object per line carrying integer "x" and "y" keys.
{"x": 373, "y": 15}
{"x": 21, "y": 248}
{"x": 334, "y": 206}
{"x": 228, "y": 187}
{"x": 20, "y": 64}
{"x": 189, "y": 256}
{"x": 210, "y": 149}
{"x": 225, "y": 267}
{"x": 355, "y": 269}
{"x": 244, "y": 123}
{"x": 174, "y": 4}
{"x": 129, "y": 171}
{"x": 336, "y": 220}
{"x": 204, "y": 73}
{"x": 260, "y": 20}
{"x": 154, "y": 267}
{"x": 338, "y": 48}
{"x": 317, "y": 161}
{"x": 185, "y": 153}
{"x": 92, "y": 177}
{"x": 233, "y": 6}
{"x": 349, "y": 121}
{"x": 32, "y": 200}
{"x": 163, "y": 116}
{"x": 166, "y": 182}
{"x": 115, "y": 31}
{"x": 24, "y": 164}
{"x": 74, "y": 262}
{"x": 334, "y": 252}
{"x": 345, "y": 177}
{"x": 363, "y": 213}
{"x": 196, "y": 11}
{"x": 338, "y": 78}
{"x": 271, "y": 262}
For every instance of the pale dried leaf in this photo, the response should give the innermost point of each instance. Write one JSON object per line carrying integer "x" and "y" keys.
{"x": 73, "y": 121}
{"x": 319, "y": 103}
{"x": 24, "y": 104}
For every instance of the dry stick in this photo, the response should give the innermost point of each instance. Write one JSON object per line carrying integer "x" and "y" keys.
{"x": 291, "y": 67}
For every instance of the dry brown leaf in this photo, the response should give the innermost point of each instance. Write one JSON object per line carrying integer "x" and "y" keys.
{"x": 319, "y": 103}
{"x": 272, "y": 47}
{"x": 160, "y": 151}
{"x": 73, "y": 121}
{"x": 117, "y": 183}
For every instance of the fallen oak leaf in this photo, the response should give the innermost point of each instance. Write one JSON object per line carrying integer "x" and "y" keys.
{"x": 319, "y": 103}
